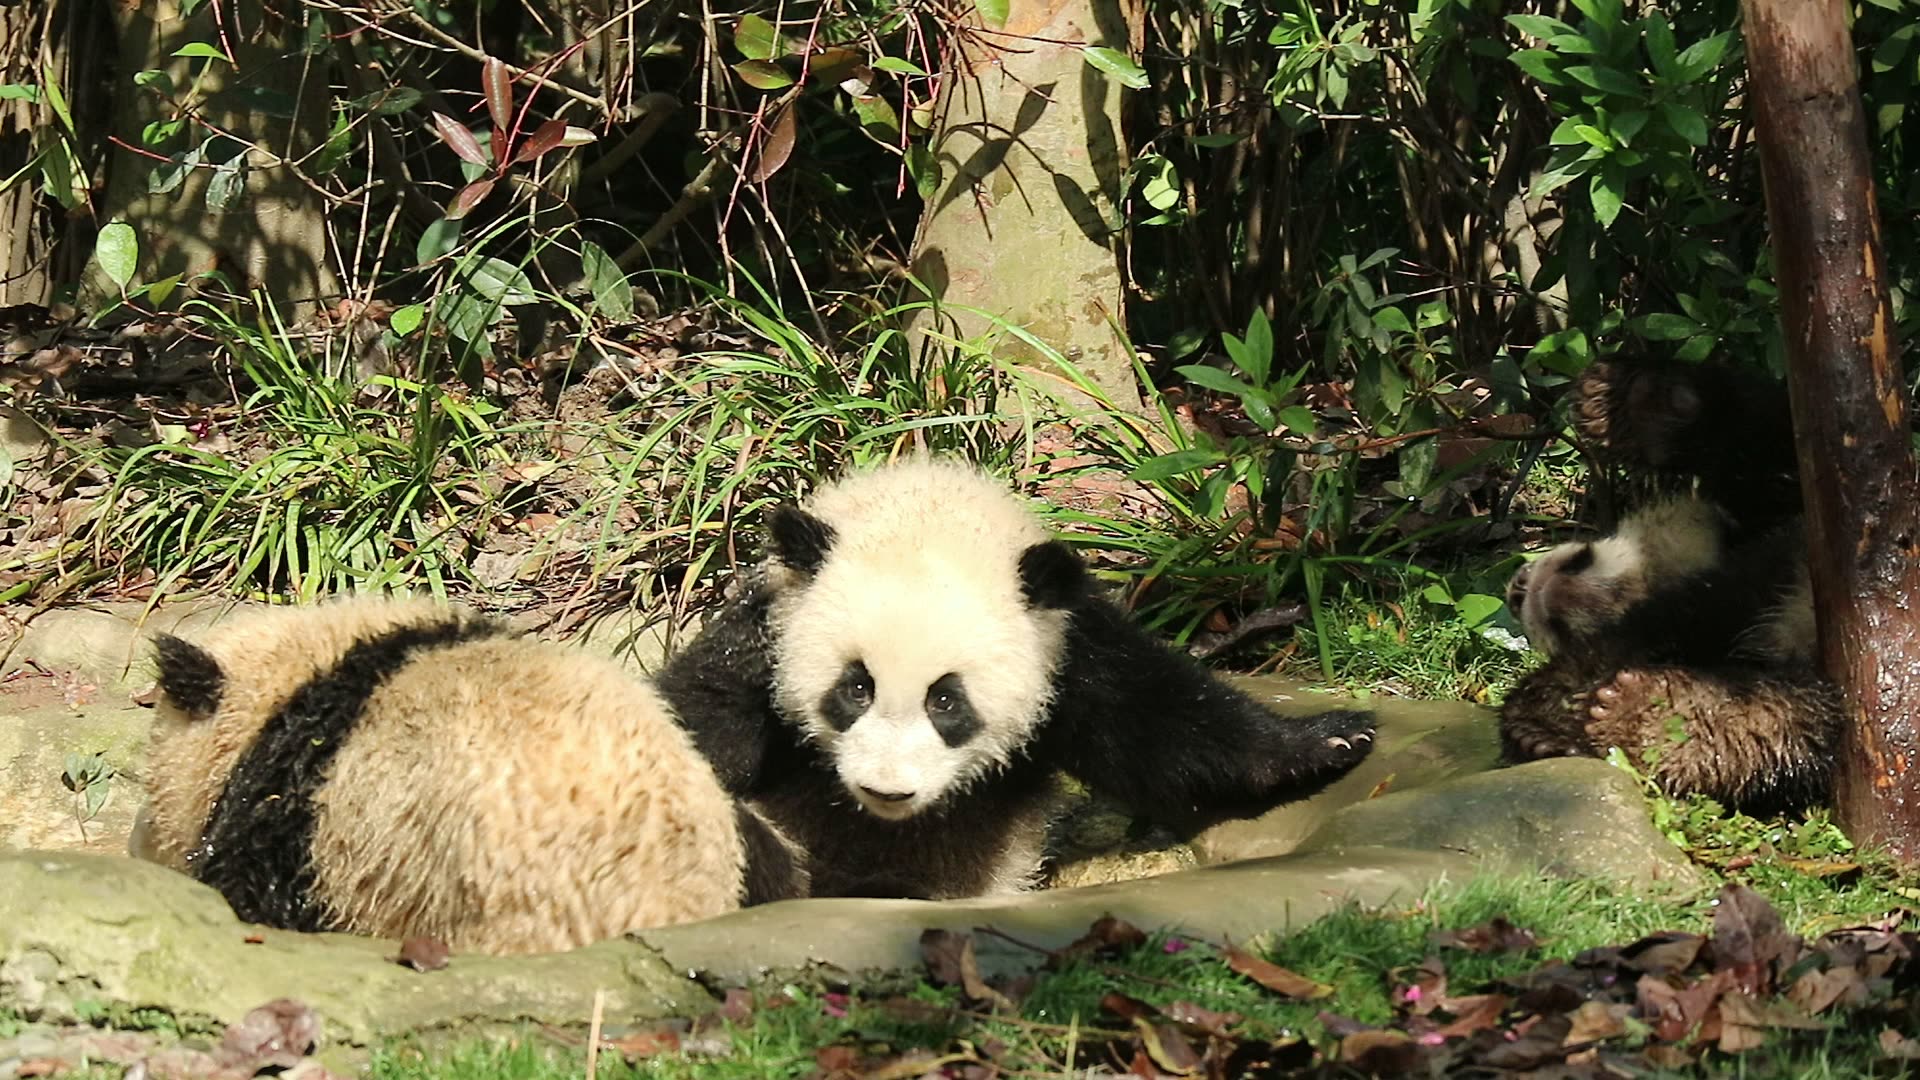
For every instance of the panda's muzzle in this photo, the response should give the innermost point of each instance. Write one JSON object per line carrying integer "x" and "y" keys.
{"x": 886, "y": 796}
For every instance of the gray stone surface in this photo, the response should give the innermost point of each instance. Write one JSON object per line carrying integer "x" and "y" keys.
{"x": 1572, "y": 816}
{"x": 102, "y": 643}
{"x": 36, "y": 809}
{"x": 78, "y": 932}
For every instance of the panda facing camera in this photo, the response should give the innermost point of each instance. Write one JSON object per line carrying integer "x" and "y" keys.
{"x": 919, "y": 659}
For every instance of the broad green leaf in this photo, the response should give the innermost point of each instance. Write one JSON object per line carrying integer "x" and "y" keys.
{"x": 1696, "y": 349}
{"x": 1185, "y": 341}
{"x": 1541, "y": 64}
{"x": 501, "y": 282}
{"x": 338, "y": 145}
{"x": 611, "y": 291}
{"x": 1437, "y": 593}
{"x": 1666, "y": 326}
{"x": 1703, "y": 56}
{"x": 1607, "y": 79}
{"x": 1216, "y": 139}
{"x": 159, "y": 291}
{"x": 1607, "y": 197}
{"x": 1593, "y": 136}
{"x": 762, "y": 74}
{"x": 1476, "y": 608}
{"x": 1686, "y": 122}
{"x": 1298, "y": 419}
{"x": 436, "y": 240}
{"x": 897, "y": 66}
{"x": 756, "y": 38}
{"x": 1540, "y": 26}
{"x": 1604, "y": 12}
{"x": 387, "y": 101}
{"x": 1628, "y": 124}
{"x": 1573, "y": 45}
{"x": 1392, "y": 318}
{"x": 1567, "y": 132}
{"x": 117, "y": 250}
{"x": 1174, "y": 464}
{"x": 876, "y": 115}
{"x": 924, "y": 169}
{"x": 1258, "y": 360}
{"x": 992, "y": 12}
{"x": 1661, "y": 48}
{"x": 202, "y": 50}
{"x": 30, "y": 92}
{"x": 408, "y": 319}
{"x": 151, "y": 79}
{"x": 227, "y": 183}
{"x": 1894, "y": 48}
{"x": 1161, "y": 188}
{"x": 1117, "y": 64}
{"x": 1213, "y": 378}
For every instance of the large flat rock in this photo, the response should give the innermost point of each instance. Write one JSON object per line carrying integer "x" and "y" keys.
{"x": 81, "y": 932}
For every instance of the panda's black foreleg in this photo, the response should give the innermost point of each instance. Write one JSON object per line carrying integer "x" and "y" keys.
{"x": 721, "y": 690}
{"x": 1149, "y": 727}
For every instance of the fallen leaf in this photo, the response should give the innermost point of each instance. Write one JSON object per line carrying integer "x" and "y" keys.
{"x": 277, "y": 1035}
{"x": 1895, "y": 1045}
{"x": 1381, "y": 1053}
{"x": 637, "y": 1045}
{"x": 1473, "y": 1013}
{"x": 1106, "y": 935}
{"x": 1493, "y": 936}
{"x": 1597, "y": 1020}
{"x": 1659, "y": 954}
{"x": 1169, "y": 1049}
{"x": 423, "y": 954}
{"x": 1273, "y": 976}
{"x": 1749, "y": 938}
{"x": 1203, "y": 1019}
{"x": 950, "y": 961}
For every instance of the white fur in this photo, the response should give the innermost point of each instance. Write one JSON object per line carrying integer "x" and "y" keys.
{"x": 922, "y": 580}
{"x": 1652, "y": 548}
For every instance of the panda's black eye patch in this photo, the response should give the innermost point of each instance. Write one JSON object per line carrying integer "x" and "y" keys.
{"x": 1580, "y": 561}
{"x": 951, "y": 711}
{"x": 849, "y": 698}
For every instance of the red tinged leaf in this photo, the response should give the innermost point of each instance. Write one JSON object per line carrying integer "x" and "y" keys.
{"x": 951, "y": 962}
{"x": 1273, "y": 976}
{"x": 1476, "y": 1012}
{"x": 1108, "y": 936}
{"x": 459, "y": 140}
{"x": 550, "y": 135}
{"x": 1167, "y": 1048}
{"x": 1203, "y": 1019}
{"x": 498, "y": 83}
{"x": 469, "y": 197}
{"x": 776, "y": 147}
{"x": 635, "y": 1046}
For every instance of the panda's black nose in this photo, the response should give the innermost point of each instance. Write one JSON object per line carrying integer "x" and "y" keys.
{"x": 887, "y": 796}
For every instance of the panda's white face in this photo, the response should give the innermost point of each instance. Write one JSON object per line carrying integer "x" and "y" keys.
{"x": 905, "y": 641}
{"x": 1578, "y": 590}
{"x": 914, "y": 681}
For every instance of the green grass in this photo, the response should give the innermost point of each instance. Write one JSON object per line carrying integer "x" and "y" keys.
{"x": 1356, "y": 952}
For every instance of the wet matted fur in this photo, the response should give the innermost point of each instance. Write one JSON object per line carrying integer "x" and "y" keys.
{"x": 1689, "y": 629}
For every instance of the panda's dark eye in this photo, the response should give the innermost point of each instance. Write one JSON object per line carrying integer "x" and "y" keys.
{"x": 1580, "y": 561}
{"x": 849, "y": 697}
{"x": 950, "y": 711}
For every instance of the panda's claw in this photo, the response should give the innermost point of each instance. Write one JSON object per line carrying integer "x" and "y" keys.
{"x": 1340, "y": 742}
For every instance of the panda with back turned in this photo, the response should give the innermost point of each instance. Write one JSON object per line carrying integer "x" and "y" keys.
{"x": 1688, "y": 629}
{"x": 916, "y": 661}
{"x": 398, "y": 768}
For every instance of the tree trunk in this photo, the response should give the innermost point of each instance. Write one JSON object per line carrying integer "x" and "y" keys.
{"x": 1850, "y": 415}
{"x": 1023, "y": 224}
{"x": 271, "y": 236}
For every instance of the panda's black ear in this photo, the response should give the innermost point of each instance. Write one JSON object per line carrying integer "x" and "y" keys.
{"x": 800, "y": 540}
{"x": 189, "y": 675}
{"x": 1052, "y": 576}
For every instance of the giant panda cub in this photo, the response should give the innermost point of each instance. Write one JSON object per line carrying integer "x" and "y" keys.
{"x": 1692, "y": 621}
{"x": 918, "y": 659}
{"x": 398, "y": 768}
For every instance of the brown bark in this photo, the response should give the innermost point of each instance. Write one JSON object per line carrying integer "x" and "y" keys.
{"x": 1850, "y": 415}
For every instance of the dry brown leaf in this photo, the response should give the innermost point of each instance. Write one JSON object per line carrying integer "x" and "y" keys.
{"x": 1473, "y": 1013}
{"x": 1895, "y": 1045}
{"x": 276, "y": 1034}
{"x": 1273, "y": 976}
{"x": 1749, "y": 938}
{"x": 423, "y": 954}
{"x": 1597, "y": 1020}
{"x": 1660, "y": 954}
{"x": 1818, "y": 991}
{"x": 1381, "y": 1053}
{"x": 1494, "y": 935}
{"x": 1169, "y": 1050}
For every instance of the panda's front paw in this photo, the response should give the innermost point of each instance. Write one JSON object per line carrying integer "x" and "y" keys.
{"x": 1345, "y": 737}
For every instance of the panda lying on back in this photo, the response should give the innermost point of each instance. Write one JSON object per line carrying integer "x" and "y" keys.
{"x": 398, "y": 768}
{"x": 1693, "y": 620}
{"x": 917, "y": 661}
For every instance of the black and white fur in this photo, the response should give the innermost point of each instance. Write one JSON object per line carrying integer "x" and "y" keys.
{"x": 397, "y": 768}
{"x": 1688, "y": 631}
{"x": 917, "y": 662}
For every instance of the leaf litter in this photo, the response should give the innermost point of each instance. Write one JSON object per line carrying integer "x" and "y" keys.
{"x": 1664, "y": 1001}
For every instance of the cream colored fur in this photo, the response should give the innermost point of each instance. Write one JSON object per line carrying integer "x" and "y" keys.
{"x": 922, "y": 580}
{"x": 502, "y": 795}
{"x": 1651, "y": 548}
